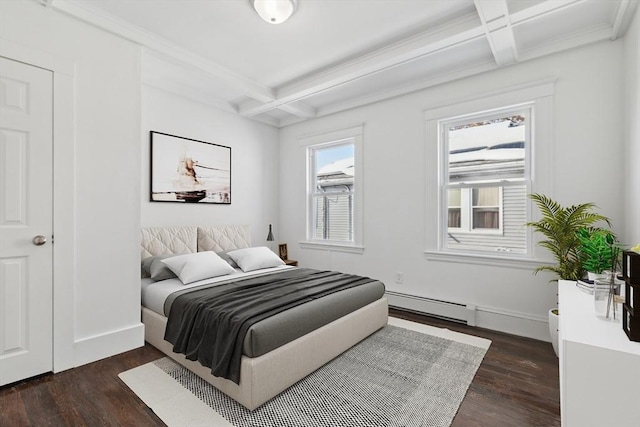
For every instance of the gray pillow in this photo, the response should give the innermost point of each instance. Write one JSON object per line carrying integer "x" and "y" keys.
{"x": 159, "y": 271}
{"x": 225, "y": 256}
{"x": 146, "y": 265}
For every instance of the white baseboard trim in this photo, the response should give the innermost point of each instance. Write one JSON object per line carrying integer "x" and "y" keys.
{"x": 512, "y": 322}
{"x": 98, "y": 347}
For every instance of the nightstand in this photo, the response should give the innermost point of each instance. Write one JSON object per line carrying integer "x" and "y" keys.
{"x": 291, "y": 262}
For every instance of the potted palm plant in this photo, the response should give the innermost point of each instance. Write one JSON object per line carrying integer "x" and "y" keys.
{"x": 560, "y": 225}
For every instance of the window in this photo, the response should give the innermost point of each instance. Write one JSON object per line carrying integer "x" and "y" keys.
{"x": 474, "y": 209}
{"x": 485, "y": 180}
{"x": 332, "y": 192}
{"x": 334, "y": 202}
{"x": 484, "y": 155}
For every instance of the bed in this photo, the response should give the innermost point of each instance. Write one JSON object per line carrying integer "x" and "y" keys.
{"x": 266, "y": 372}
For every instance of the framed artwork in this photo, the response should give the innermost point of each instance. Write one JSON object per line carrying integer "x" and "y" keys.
{"x": 282, "y": 249}
{"x": 185, "y": 170}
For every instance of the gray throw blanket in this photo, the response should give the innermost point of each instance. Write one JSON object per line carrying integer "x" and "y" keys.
{"x": 209, "y": 325}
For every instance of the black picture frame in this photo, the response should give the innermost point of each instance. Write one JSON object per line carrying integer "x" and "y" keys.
{"x": 186, "y": 170}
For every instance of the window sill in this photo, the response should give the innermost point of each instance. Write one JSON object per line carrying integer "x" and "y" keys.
{"x": 476, "y": 232}
{"x": 330, "y": 246}
{"x": 482, "y": 259}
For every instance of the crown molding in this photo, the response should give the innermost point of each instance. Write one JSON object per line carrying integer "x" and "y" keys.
{"x": 187, "y": 92}
{"x": 623, "y": 17}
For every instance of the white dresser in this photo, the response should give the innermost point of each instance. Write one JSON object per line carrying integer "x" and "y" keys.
{"x": 599, "y": 366}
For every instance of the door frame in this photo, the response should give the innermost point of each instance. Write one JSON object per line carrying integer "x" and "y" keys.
{"x": 64, "y": 149}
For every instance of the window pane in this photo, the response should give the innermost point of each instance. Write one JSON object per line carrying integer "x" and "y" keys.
{"x": 334, "y": 217}
{"x": 487, "y": 196}
{"x": 487, "y": 150}
{"x": 486, "y": 218}
{"x": 454, "y": 197}
{"x": 454, "y": 218}
{"x": 335, "y": 168}
{"x": 454, "y": 203}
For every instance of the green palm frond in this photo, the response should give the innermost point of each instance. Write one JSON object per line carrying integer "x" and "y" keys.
{"x": 559, "y": 226}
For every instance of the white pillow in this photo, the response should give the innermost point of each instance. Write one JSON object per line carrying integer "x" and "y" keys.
{"x": 250, "y": 259}
{"x": 198, "y": 266}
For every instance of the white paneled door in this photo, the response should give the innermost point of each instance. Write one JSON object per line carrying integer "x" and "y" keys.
{"x": 26, "y": 221}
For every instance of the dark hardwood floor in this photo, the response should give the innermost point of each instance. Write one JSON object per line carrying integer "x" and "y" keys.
{"x": 516, "y": 385}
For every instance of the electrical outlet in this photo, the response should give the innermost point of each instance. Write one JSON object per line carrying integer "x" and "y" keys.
{"x": 399, "y": 277}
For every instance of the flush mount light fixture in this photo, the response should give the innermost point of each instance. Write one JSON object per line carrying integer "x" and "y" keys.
{"x": 275, "y": 11}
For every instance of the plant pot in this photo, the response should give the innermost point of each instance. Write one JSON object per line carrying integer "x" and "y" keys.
{"x": 553, "y": 329}
{"x": 594, "y": 276}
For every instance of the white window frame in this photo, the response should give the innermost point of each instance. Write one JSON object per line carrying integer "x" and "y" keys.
{"x": 527, "y": 110}
{"x": 314, "y": 193}
{"x": 539, "y": 161}
{"x": 352, "y": 135}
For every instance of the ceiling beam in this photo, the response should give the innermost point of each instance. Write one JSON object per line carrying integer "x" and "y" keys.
{"x": 454, "y": 33}
{"x": 298, "y": 109}
{"x": 122, "y": 29}
{"x": 384, "y": 94}
{"x": 494, "y": 15}
{"x": 252, "y": 108}
{"x": 541, "y": 9}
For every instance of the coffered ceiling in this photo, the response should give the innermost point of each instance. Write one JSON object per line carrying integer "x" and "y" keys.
{"x": 332, "y": 55}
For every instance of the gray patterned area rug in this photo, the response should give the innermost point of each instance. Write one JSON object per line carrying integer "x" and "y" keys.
{"x": 396, "y": 377}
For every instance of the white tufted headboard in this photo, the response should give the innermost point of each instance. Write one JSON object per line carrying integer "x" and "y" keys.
{"x": 189, "y": 239}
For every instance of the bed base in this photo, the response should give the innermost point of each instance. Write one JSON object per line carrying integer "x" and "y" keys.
{"x": 262, "y": 378}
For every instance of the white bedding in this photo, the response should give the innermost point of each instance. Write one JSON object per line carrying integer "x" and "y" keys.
{"x": 154, "y": 294}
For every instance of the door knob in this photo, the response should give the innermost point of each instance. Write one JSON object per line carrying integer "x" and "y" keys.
{"x": 39, "y": 240}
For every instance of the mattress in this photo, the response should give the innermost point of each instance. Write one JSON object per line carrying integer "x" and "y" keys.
{"x": 279, "y": 329}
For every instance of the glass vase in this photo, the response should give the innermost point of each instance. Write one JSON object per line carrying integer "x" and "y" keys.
{"x": 604, "y": 291}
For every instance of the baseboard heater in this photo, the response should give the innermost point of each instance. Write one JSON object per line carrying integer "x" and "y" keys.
{"x": 462, "y": 313}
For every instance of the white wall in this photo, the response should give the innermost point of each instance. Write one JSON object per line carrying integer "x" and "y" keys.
{"x": 632, "y": 130}
{"x": 587, "y": 146}
{"x": 254, "y": 164}
{"x": 97, "y": 300}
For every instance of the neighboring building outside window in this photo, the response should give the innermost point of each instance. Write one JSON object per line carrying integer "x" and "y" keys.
{"x": 332, "y": 194}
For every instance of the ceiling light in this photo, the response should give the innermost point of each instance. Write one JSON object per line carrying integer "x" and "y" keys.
{"x": 275, "y": 11}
